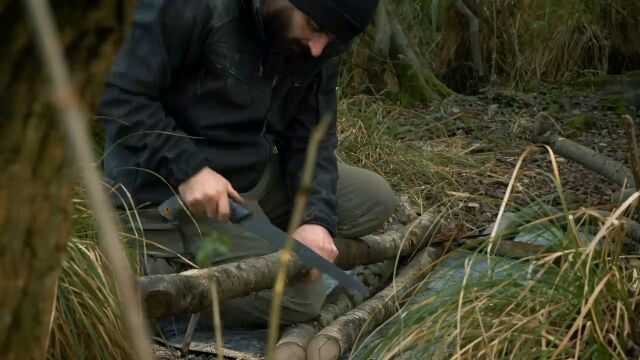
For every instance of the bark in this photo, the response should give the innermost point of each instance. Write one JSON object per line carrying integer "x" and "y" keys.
{"x": 341, "y": 334}
{"x": 474, "y": 35}
{"x": 35, "y": 178}
{"x": 294, "y": 341}
{"x": 187, "y": 292}
{"x": 416, "y": 79}
{"x": 382, "y": 34}
{"x": 607, "y": 167}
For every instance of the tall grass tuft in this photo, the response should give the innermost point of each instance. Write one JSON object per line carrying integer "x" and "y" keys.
{"x": 425, "y": 169}
{"x": 522, "y": 42}
{"x": 88, "y": 319}
{"x": 577, "y": 298}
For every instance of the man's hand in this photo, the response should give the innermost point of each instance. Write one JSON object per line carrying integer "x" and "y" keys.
{"x": 207, "y": 193}
{"x": 319, "y": 240}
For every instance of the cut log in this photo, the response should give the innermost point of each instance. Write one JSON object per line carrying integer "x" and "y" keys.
{"x": 603, "y": 165}
{"x": 188, "y": 292}
{"x": 342, "y": 333}
{"x": 294, "y": 341}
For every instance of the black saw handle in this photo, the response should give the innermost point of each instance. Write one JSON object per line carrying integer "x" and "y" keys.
{"x": 171, "y": 207}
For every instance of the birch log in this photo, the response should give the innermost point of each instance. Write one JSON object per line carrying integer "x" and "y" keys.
{"x": 342, "y": 333}
{"x": 592, "y": 160}
{"x": 294, "y": 340}
{"x": 188, "y": 292}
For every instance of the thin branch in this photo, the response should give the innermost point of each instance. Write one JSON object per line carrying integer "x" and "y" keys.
{"x": 296, "y": 218}
{"x": 74, "y": 122}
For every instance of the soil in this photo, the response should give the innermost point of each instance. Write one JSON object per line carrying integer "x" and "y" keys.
{"x": 501, "y": 123}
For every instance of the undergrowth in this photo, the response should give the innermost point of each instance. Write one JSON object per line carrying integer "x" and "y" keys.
{"x": 576, "y": 298}
{"x": 88, "y": 319}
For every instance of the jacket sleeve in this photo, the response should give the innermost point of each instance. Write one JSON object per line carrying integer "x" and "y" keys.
{"x": 319, "y": 101}
{"x": 165, "y": 36}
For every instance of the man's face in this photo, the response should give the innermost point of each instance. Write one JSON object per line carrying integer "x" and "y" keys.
{"x": 292, "y": 31}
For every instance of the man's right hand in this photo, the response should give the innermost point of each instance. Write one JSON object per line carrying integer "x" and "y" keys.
{"x": 207, "y": 192}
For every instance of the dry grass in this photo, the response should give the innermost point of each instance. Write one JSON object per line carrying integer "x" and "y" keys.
{"x": 427, "y": 170}
{"x": 88, "y": 320}
{"x": 577, "y": 299}
{"x": 522, "y": 42}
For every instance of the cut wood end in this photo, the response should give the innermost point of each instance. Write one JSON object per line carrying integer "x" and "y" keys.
{"x": 289, "y": 351}
{"x": 323, "y": 347}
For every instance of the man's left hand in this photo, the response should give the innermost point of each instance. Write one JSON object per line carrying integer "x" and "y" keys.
{"x": 319, "y": 240}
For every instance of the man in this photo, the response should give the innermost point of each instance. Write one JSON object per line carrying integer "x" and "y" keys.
{"x": 217, "y": 98}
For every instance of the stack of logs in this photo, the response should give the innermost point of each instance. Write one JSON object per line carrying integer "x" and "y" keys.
{"x": 346, "y": 315}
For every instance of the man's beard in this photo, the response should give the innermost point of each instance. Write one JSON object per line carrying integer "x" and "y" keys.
{"x": 277, "y": 27}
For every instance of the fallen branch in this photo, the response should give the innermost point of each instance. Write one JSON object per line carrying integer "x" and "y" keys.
{"x": 342, "y": 334}
{"x": 294, "y": 341}
{"x": 603, "y": 165}
{"x": 428, "y": 85}
{"x": 188, "y": 292}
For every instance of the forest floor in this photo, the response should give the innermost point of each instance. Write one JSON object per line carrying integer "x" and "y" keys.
{"x": 495, "y": 127}
{"x": 460, "y": 154}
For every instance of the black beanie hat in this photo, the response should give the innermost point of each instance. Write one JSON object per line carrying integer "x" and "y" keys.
{"x": 343, "y": 18}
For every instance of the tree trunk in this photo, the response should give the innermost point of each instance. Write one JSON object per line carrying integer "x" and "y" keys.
{"x": 35, "y": 178}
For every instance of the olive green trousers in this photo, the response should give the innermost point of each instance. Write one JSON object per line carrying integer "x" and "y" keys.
{"x": 365, "y": 201}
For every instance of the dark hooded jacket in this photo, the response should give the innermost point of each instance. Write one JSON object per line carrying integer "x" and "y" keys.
{"x": 196, "y": 84}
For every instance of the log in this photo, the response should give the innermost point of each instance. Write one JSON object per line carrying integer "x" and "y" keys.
{"x": 603, "y": 165}
{"x": 342, "y": 333}
{"x": 294, "y": 341}
{"x": 188, "y": 292}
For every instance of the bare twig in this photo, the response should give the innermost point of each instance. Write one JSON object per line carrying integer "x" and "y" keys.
{"x": 74, "y": 120}
{"x": 217, "y": 322}
{"x": 188, "y": 336}
{"x": 296, "y": 218}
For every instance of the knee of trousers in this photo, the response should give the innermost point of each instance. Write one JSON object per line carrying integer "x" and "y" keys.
{"x": 377, "y": 202}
